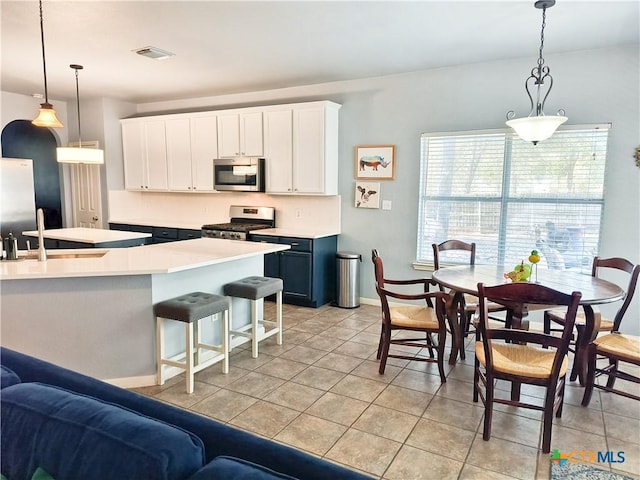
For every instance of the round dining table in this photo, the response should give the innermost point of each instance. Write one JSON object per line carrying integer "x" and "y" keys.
{"x": 463, "y": 279}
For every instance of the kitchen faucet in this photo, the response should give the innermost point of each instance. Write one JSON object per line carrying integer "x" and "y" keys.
{"x": 42, "y": 253}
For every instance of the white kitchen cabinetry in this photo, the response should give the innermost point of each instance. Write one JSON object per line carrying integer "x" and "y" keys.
{"x": 310, "y": 165}
{"x": 175, "y": 152}
{"x": 145, "y": 155}
{"x": 278, "y": 148}
{"x": 178, "y": 135}
{"x": 204, "y": 148}
{"x": 240, "y": 134}
{"x": 191, "y": 148}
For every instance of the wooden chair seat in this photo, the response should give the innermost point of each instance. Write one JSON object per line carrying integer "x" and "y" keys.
{"x": 625, "y": 347}
{"x": 521, "y": 360}
{"x": 413, "y": 316}
{"x": 557, "y": 316}
{"x": 471, "y": 304}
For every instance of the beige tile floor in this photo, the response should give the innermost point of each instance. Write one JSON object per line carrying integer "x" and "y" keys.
{"x": 321, "y": 392}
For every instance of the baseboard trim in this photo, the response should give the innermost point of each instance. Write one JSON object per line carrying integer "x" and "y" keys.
{"x": 133, "y": 382}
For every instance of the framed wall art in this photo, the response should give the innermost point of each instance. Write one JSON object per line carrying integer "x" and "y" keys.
{"x": 367, "y": 195}
{"x": 375, "y": 162}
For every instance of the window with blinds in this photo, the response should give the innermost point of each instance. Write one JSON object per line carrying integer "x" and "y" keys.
{"x": 510, "y": 197}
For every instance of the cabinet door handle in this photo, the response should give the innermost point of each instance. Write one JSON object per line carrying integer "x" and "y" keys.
{"x": 294, "y": 244}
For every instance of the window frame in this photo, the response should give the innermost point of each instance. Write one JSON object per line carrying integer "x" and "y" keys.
{"x": 505, "y": 197}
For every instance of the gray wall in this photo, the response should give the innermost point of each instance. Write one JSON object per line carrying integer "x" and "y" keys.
{"x": 599, "y": 86}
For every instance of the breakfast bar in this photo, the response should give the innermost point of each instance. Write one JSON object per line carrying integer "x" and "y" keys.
{"x": 92, "y": 309}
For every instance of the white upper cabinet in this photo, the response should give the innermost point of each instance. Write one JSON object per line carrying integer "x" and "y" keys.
{"x": 191, "y": 147}
{"x": 301, "y": 149}
{"x": 178, "y": 132}
{"x": 170, "y": 153}
{"x": 145, "y": 155}
{"x": 204, "y": 148}
{"x": 175, "y": 152}
{"x": 278, "y": 151}
{"x": 240, "y": 134}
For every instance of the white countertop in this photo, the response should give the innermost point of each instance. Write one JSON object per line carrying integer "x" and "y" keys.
{"x": 296, "y": 232}
{"x": 154, "y": 222}
{"x": 143, "y": 260}
{"x": 87, "y": 235}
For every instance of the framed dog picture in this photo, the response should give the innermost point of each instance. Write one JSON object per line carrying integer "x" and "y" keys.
{"x": 375, "y": 162}
{"x": 367, "y": 195}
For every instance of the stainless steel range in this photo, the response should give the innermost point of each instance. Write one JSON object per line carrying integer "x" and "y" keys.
{"x": 243, "y": 220}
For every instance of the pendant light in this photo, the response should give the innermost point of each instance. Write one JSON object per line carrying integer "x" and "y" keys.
{"x": 46, "y": 115}
{"x": 79, "y": 154}
{"x": 537, "y": 126}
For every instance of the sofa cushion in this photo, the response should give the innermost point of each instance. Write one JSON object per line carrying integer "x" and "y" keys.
{"x": 74, "y": 436}
{"x": 8, "y": 377}
{"x": 231, "y": 468}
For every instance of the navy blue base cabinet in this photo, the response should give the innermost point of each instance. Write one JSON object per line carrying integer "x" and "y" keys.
{"x": 159, "y": 234}
{"x": 308, "y": 269}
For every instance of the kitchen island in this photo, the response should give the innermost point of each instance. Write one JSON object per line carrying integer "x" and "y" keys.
{"x": 94, "y": 313}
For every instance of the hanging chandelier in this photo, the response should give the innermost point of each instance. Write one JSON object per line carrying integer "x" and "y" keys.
{"x": 79, "y": 154}
{"x": 46, "y": 114}
{"x": 537, "y": 126}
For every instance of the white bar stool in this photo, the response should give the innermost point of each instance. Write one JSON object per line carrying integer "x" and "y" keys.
{"x": 190, "y": 309}
{"x": 254, "y": 289}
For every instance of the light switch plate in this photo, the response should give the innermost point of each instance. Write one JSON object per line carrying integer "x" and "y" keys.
{"x": 386, "y": 204}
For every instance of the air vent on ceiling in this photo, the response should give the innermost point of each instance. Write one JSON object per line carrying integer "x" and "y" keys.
{"x": 153, "y": 52}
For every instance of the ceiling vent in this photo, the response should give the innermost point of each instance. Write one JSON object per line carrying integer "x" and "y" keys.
{"x": 153, "y": 52}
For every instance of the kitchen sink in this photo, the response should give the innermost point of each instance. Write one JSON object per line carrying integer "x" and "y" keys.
{"x": 53, "y": 255}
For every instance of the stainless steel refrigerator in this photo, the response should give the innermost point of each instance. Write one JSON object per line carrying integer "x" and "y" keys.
{"x": 17, "y": 198}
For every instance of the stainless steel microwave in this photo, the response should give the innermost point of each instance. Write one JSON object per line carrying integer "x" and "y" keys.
{"x": 239, "y": 174}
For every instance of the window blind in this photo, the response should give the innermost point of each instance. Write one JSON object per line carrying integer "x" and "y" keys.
{"x": 510, "y": 196}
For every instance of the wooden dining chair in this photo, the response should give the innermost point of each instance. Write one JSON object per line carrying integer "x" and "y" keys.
{"x": 427, "y": 318}
{"x": 606, "y": 325}
{"x": 467, "y": 304}
{"x": 615, "y": 347}
{"x": 520, "y": 356}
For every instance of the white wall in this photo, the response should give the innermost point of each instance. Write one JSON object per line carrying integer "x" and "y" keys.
{"x": 599, "y": 86}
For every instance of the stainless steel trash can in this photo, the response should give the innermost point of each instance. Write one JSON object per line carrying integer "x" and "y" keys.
{"x": 348, "y": 282}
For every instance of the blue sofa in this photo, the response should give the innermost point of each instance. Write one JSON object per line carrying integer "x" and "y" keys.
{"x": 60, "y": 424}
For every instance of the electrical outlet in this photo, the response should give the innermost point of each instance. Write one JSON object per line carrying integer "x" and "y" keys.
{"x": 298, "y": 213}
{"x": 386, "y": 204}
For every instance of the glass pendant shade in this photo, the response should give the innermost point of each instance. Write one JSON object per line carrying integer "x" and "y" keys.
{"x": 536, "y": 129}
{"x": 46, "y": 114}
{"x": 47, "y": 117}
{"x": 79, "y": 155}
